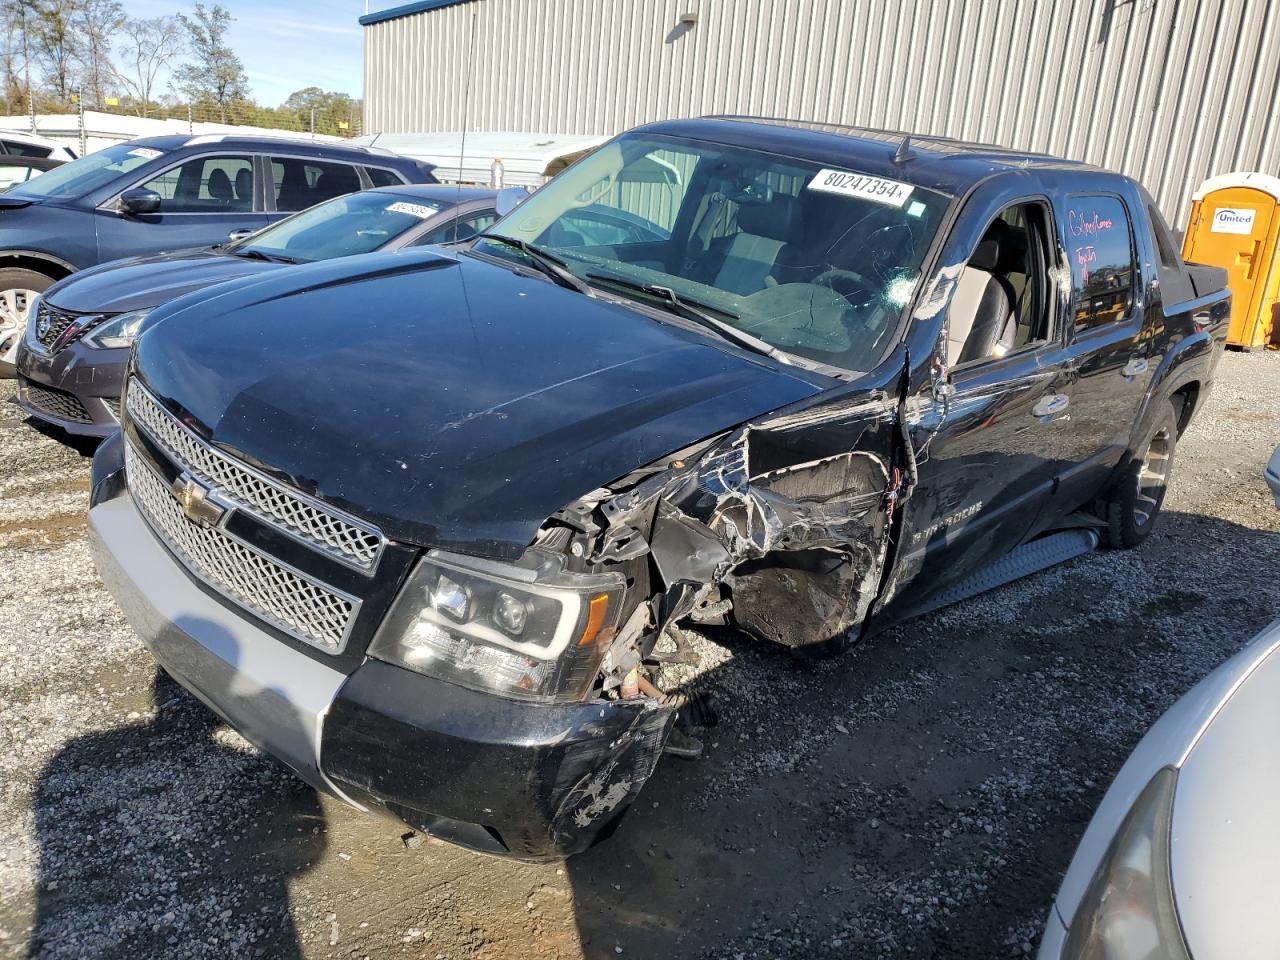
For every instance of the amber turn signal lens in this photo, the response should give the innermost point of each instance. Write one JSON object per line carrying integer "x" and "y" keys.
{"x": 596, "y": 611}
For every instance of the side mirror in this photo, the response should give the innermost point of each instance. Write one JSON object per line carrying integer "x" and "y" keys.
{"x": 239, "y": 234}
{"x": 139, "y": 200}
{"x": 510, "y": 198}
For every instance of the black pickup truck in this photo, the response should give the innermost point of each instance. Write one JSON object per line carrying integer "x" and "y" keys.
{"x": 423, "y": 524}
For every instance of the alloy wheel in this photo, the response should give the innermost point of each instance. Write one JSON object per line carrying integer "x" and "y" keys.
{"x": 1153, "y": 477}
{"x": 15, "y": 306}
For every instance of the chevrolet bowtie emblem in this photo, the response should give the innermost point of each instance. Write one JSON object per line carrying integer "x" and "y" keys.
{"x": 193, "y": 497}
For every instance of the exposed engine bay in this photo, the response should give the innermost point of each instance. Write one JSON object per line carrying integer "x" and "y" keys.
{"x": 780, "y": 529}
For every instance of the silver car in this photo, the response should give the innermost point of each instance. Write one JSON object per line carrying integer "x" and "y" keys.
{"x": 1181, "y": 858}
{"x": 1272, "y": 475}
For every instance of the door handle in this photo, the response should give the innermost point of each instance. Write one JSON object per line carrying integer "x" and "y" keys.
{"x": 1050, "y": 404}
{"x": 1135, "y": 367}
{"x": 1251, "y": 258}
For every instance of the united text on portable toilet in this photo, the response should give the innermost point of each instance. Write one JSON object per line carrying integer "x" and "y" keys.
{"x": 1235, "y": 221}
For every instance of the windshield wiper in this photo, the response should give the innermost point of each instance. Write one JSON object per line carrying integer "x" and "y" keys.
{"x": 696, "y": 311}
{"x": 548, "y": 264}
{"x": 251, "y": 253}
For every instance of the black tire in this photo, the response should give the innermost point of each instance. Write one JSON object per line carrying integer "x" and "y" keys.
{"x": 1133, "y": 503}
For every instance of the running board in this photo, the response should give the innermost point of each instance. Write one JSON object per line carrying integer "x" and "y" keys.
{"x": 1021, "y": 562}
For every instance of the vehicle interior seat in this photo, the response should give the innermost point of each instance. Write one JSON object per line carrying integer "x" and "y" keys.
{"x": 293, "y": 192}
{"x": 754, "y": 252}
{"x": 220, "y": 189}
{"x": 984, "y": 308}
{"x": 334, "y": 183}
{"x": 244, "y": 189}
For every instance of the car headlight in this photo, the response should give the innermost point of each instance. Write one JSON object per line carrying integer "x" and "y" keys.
{"x": 1128, "y": 912}
{"x": 33, "y": 310}
{"x": 118, "y": 331}
{"x": 521, "y": 632}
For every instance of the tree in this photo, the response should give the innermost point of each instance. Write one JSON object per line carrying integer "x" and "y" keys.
{"x": 331, "y": 109}
{"x": 216, "y": 78}
{"x": 54, "y": 45}
{"x": 149, "y": 46}
{"x": 15, "y": 15}
{"x": 94, "y": 24}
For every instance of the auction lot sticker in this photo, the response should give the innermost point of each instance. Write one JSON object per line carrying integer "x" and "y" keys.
{"x": 891, "y": 193}
{"x": 1232, "y": 220}
{"x": 413, "y": 209}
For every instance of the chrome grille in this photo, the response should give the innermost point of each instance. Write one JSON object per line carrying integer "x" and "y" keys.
{"x": 52, "y": 323}
{"x": 113, "y": 406}
{"x": 320, "y": 526}
{"x": 301, "y": 607}
{"x": 64, "y": 406}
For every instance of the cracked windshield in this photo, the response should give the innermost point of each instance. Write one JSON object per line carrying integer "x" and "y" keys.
{"x": 807, "y": 261}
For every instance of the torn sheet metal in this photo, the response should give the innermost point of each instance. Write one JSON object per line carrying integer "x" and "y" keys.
{"x": 784, "y": 522}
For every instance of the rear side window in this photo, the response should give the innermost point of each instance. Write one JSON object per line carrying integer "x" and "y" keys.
{"x": 383, "y": 178}
{"x": 206, "y": 185}
{"x": 1100, "y": 247}
{"x": 458, "y": 230}
{"x": 25, "y": 149}
{"x": 299, "y": 184}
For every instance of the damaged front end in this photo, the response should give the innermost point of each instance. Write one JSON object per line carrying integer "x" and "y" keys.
{"x": 782, "y": 528}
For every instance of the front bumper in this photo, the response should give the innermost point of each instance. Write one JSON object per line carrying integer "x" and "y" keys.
{"x": 531, "y": 781}
{"x": 77, "y": 389}
{"x": 1054, "y": 940}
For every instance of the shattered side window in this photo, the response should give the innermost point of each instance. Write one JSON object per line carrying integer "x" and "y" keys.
{"x": 815, "y": 260}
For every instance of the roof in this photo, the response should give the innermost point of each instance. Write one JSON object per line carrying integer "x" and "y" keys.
{"x": 178, "y": 141}
{"x": 406, "y": 9}
{"x": 938, "y": 163}
{"x": 1265, "y": 182}
{"x": 28, "y": 137}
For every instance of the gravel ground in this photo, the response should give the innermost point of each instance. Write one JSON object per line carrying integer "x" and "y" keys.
{"x": 920, "y": 796}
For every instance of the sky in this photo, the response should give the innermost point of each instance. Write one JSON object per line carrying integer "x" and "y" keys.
{"x": 286, "y": 46}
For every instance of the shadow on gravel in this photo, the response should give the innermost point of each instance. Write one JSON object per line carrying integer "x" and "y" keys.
{"x": 85, "y": 446}
{"x": 162, "y": 838}
{"x": 923, "y": 793}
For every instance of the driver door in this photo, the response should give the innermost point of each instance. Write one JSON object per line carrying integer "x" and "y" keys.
{"x": 202, "y": 199}
{"x": 988, "y": 450}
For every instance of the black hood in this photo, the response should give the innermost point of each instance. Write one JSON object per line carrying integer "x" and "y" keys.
{"x": 144, "y": 282}
{"x": 449, "y": 400}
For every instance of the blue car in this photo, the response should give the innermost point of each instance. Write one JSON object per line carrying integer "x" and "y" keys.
{"x": 167, "y": 193}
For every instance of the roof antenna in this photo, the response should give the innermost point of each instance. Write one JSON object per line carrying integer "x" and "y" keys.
{"x": 466, "y": 107}
{"x": 904, "y": 152}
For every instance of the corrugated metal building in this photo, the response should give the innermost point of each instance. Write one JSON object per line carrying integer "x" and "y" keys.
{"x": 1169, "y": 91}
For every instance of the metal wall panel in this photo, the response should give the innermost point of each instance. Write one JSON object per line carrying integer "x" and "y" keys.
{"x": 1168, "y": 91}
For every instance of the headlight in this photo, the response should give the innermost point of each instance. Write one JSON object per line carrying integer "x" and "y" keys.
{"x": 33, "y": 309}
{"x": 116, "y": 332}
{"x": 531, "y": 634}
{"x": 1128, "y": 911}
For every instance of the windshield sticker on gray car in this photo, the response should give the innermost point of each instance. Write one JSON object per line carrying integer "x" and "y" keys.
{"x": 145, "y": 152}
{"x": 892, "y": 193}
{"x": 413, "y": 209}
